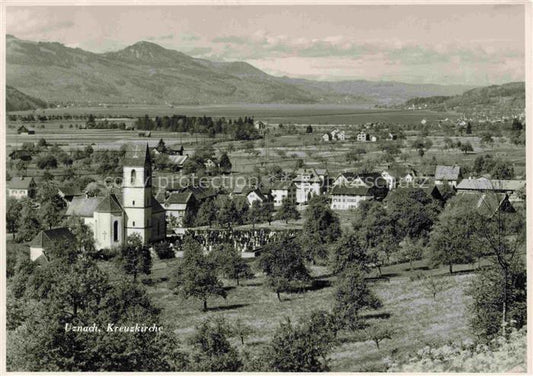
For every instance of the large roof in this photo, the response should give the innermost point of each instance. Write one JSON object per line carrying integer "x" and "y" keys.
{"x": 83, "y": 206}
{"x": 483, "y": 203}
{"x": 179, "y": 198}
{"x": 20, "y": 183}
{"x": 109, "y": 204}
{"x": 344, "y": 190}
{"x": 447, "y": 172}
{"x": 47, "y": 238}
{"x": 484, "y": 184}
{"x": 137, "y": 155}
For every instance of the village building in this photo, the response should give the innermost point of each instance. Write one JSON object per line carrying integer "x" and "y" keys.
{"x": 309, "y": 182}
{"x": 23, "y": 131}
{"x": 363, "y": 137}
{"x": 21, "y": 187}
{"x": 134, "y": 211}
{"x": 68, "y": 193}
{"x": 346, "y": 198}
{"x": 483, "y": 185}
{"x": 283, "y": 190}
{"x": 487, "y": 204}
{"x": 326, "y": 137}
{"x": 256, "y": 195}
{"x": 47, "y": 239}
{"x": 447, "y": 174}
{"x": 178, "y": 205}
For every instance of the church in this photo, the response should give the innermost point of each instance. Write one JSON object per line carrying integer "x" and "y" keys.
{"x": 134, "y": 210}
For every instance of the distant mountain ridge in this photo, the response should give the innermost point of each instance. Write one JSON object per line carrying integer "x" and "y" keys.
{"x": 148, "y": 73}
{"x": 18, "y": 101}
{"x": 509, "y": 97}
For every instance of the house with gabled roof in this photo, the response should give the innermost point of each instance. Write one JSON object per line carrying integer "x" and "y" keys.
{"x": 178, "y": 205}
{"x": 256, "y": 195}
{"x": 23, "y": 131}
{"x": 309, "y": 182}
{"x": 47, "y": 239}
{"x": 447, "y": 174}
{"x": 510, "y": 187}
{"x": 21, "y": 187}
{"x": 283, "y": 190}
{"x": 349, "y": 197}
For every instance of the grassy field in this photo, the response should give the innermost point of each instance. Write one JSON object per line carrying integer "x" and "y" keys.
{"x": 417, "y": 319}
{"x": 316, "y": 114}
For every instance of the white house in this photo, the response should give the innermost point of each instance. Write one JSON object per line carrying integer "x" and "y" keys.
{"x": 283, "y": 190}
{"x": 363, "y": 137}
{"x": 308, "y": 183}
{"x": 256, "y": 195}
{"x": 346, "y": 198}
{"x": 21, "y": 187}
{"x": 134, "y": 211}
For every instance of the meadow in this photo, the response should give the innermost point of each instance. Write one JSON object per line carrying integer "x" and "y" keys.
{"x": 416, "y": 318}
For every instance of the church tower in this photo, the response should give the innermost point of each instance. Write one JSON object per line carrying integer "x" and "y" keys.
{"x": 137, "y": 192}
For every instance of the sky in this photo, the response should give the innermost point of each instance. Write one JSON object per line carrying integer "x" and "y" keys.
{"x": 442, "y": 44}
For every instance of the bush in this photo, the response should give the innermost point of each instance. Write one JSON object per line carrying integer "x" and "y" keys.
{"x": 164, "y": 250}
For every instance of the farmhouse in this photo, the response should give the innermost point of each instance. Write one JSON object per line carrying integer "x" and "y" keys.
{"x": 178, "y": 160}
{"x": 178, "y": 205}
{"x": 145, "y": 134}
{"x": 363, "y": 137}
{"x": 345, "y": 198}
{"x": 483, "y": 185}
{"x": 344, "y": 178}
{"x": 486, "y": 204}
{"x": 23, "y": 131}
{"x": 49, "y": 238}
{"x": 21, "y": 187}
{"x": 282, "y": 190}
{"x": 256, "y": 195}
{"x": 447, "y": 174}
{"x": 134, "y": 211}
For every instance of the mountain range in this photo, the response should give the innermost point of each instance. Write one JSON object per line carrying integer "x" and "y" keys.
{"x": 148, "y": 73}
{"x": 509, "y": 97}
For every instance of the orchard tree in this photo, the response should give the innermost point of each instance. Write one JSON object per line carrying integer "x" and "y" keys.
{"x": 196, "y": 276}
{"x": 349, "y": 251}
{"x": 321, "y": 227}
{"x": 300, "y": 348}
{"x": 351, "y": 296}
{"x": 288, "y": 210}
{"x": 13, "y": 210}
{"x": 135, "y": 257}
{"x": 283, "y": 263}
{"x": 212, "y": 351}
{"x": 230, "y": 263}
{"x": 455, "y": 239}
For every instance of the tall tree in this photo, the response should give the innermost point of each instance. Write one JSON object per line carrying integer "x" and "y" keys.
{"x": 287, "y": 211}
{"x": 321, "y": 227}
{"x": 230, "y": 262}
{"x": 135, "y": 257}
{"x": 351, "y": 296}
{"x": 283, "y": 263}
{"x": 212, "y": 351}
{"x": 196, "y": 275}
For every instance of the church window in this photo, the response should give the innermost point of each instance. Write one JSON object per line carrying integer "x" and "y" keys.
{"x": 133, "y": 203}
{"x": 133, "y": 176}
{"x": 115, "y": 231}
{"x": 133, "y": 223}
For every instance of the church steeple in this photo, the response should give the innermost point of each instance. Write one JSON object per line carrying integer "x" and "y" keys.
{"x": 137, "y": 191}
